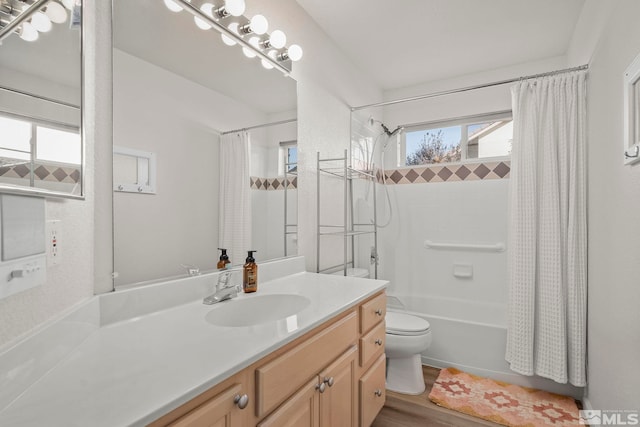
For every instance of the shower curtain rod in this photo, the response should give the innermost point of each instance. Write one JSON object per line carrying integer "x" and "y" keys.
{"x": 468, "y": 88}
{"x": 264, "y": 125}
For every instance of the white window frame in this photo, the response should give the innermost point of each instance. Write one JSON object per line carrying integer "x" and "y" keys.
{"x": 437, "y": 124}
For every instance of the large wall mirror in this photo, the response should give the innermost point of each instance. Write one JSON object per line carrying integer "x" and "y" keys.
{"x": 41, "y": 148}
{"x": 177, "y": 90}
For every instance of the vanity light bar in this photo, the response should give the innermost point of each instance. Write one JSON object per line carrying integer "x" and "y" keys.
{"x": 26, "y": 14}
{"x": 281, "y": 60}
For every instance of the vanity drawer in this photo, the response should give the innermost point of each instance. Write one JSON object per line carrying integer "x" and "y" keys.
{"x": 372, "y": 392}
{"x": 281, "y": 377}
{"x": 372, "y": 312}
{"x": 372, "y": 344}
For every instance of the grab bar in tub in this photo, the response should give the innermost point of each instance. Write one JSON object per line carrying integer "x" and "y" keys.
{"x": 498, "y": 247}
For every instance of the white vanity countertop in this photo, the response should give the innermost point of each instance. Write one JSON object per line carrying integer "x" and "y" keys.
{"x": 132, "y": 372}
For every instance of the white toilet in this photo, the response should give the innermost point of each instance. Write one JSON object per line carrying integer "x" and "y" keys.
{"x": 407, "y": 336}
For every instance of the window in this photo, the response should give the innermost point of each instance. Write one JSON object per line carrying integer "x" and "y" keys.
{"x": 22, "y": 138}
{"x": 459, "y": 140}
{"x": 289, "y": 152}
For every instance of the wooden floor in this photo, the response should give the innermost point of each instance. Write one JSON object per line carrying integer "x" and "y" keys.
{"x": 402, "y": 410}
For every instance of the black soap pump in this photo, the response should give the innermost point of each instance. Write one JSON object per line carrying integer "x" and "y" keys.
{"x": 224, "y": 262}
{"x": 250, "y": 274}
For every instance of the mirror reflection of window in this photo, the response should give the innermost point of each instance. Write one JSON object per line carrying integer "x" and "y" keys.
{"x": 56, "y": 145}
{"x": 50, "y": 144}
{"x": 289, "y": 150}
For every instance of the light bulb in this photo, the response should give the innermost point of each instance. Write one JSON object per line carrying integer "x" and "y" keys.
{"x": 55, "y": 11}
{"x": 277, "y": 39}
{"x": 172, "y": 6}
{"x": 28, "y": 32}
{"x": 259, "y": 24}
{"x": 41, "y": 22}
{"x": 255, "y": 42}
{"x": 233, "y": 27}
{"x": 234, "y": 7}
{"x": 69, "y": 4}
{"x": 266, "y": 64}
{"x": 207, "y": 8}
{"x": 294, "y": 52}
{"x": 248, "y": 52}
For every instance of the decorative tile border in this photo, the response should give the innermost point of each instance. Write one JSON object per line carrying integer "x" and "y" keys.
{"x": 258, "y": 183}
{"x": 42, "y": 172}
{"x": 447, "y": 173}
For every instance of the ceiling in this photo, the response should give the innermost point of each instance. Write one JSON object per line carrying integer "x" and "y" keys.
{"x": 148, "y": 30}
{"x": 407, "y": 42}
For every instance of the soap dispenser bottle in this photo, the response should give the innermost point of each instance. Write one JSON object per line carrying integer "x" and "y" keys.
{"x": 250, "y": 274}
{"x": 224, "y": 262}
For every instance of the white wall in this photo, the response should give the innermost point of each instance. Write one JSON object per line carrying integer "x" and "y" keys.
{"x": 613, "y": 206}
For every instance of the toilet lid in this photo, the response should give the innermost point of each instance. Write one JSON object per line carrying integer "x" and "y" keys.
{"x": 405, "y": 324}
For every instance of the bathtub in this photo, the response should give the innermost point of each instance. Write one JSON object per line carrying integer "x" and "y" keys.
{"x": 470, "y": 336}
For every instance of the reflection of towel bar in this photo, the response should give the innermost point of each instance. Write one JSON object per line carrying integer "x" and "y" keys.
{"x": 498, "y": 247}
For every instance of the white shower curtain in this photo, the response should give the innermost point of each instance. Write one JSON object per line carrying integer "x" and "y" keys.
{"x": 234, "y": 224}
{"x": 548, "y": 230}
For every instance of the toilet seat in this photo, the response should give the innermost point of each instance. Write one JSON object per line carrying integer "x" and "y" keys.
{"x": 405, "y": 324}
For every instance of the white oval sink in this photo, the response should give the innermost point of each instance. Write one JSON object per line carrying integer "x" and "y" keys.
{"x": 256, "y": 309}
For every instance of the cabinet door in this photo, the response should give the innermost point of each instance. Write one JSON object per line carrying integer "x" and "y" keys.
{"x": 220, "y": 411}
{"x": 372, "y": 392}
{"x": 339, "y": 401}
{"x": 300, "y": 410}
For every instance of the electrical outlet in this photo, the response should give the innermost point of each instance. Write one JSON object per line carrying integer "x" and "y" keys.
{"x": 54, "y": 252}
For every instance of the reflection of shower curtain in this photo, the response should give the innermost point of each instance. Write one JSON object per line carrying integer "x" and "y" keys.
{"x": 548, "y": 230}
{"x": 234, "y": 226}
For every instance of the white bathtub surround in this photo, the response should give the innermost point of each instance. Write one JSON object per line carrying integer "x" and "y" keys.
{"x": 126, "y": 358}
{"x": 547, "y": 230}
{"x": 235, "y": 195}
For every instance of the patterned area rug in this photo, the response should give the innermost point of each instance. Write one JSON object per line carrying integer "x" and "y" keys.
{"x": 502, "y": 403}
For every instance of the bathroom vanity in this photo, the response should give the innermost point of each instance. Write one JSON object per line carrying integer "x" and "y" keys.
{"x": 157, "y": 356}
{"x": 333, "y": 375}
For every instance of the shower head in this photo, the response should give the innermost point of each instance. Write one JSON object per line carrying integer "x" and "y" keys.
{"x": 386, "y": 130}
{"x": 389, "y": 132}
{"x": 396, "y": 130}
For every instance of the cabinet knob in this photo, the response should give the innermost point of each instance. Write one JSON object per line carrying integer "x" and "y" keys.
{"x": 328, "y": 381}
{"x": 320, "y": 387}
{"x": 378, "y": 341}
{"x": 378, "y": 392}
{"x": 241, "y": 401}
{"x": 379, "y": 312}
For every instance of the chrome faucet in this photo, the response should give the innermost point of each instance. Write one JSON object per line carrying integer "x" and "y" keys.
{"x": 224, "y": 289}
